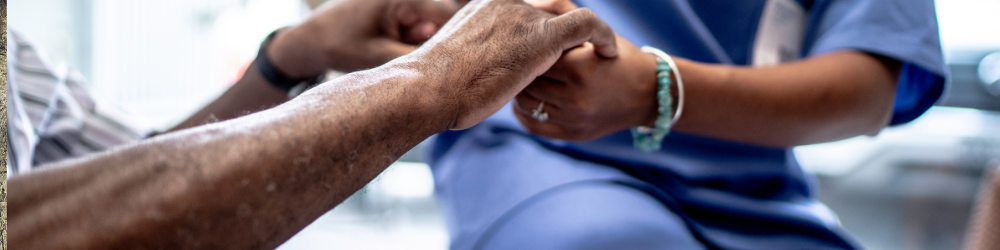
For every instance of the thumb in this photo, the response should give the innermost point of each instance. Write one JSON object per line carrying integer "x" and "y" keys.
{"x": 582, "y": 25}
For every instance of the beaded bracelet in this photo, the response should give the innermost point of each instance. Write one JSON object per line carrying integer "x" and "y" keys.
{"x": 651, "y": 138}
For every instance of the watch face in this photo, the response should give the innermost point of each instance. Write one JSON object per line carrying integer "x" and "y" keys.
{"x": 989, "y": 73}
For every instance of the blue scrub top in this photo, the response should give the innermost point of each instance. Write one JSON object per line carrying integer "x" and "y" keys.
{"x": 729, "y": 194}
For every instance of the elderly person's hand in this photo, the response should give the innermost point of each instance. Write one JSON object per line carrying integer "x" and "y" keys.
{"x": 495, "y": 56}
{"x": 352, "y": 35}
{"x": 587, "y": 95}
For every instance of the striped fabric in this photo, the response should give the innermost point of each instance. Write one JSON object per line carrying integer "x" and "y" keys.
{"x": 51, "y": 116}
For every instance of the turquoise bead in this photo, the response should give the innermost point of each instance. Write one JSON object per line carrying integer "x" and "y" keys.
{"x": 644, "y": 139}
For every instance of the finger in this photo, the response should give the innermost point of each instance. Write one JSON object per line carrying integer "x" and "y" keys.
{"x": 543, "y": 129}
{"x": 557, "y": 7}
{"x": 416, "y": 20}
{"x": 420, "y": 19}
{"x": 437, "y": 12}
{"x": 420, "y": 32}
{"x": 385, "y": 49}
{"x": 552, "y": 91}
{"x": 526, "y": 103}
{"x": 546, "y": 129}
{"x": 582, "y": 25}
{"x": 569, "y": 66}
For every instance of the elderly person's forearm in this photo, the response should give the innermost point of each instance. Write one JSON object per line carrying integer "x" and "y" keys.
{"x": 237, "y": 175}
{"x": 253, "y": 182}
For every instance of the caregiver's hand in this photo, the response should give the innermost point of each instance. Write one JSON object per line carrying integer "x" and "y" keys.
{"x": 357, "y": 34}
{"x": 587, "y": 95}
{"x": 487, "y": 58}
{"x": 822, "y": 98}
{"x": 345, "y": 35}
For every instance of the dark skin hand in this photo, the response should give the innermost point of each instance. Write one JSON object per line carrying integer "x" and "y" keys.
{"x": 586, "y": 96}
{"x": 819, "y": 99}
{"x": 254, "y": 181}
{"x": 340, "y": 35}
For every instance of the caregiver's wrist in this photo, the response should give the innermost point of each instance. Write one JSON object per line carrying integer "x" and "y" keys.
{"x": 647, "y": 78}
{"x": 649, "y": 117}
{"x": 296, "y": 53}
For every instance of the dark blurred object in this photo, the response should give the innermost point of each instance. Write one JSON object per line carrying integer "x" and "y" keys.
{"x": 984, "y": 229}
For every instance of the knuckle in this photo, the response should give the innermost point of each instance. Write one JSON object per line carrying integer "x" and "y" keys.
{"x": 588, "y": 15}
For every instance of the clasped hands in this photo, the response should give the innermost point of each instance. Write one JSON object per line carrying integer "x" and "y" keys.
{"x": 587, "y": 93}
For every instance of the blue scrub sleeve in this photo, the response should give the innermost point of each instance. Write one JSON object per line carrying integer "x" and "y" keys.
{"x": 905, "y": 30}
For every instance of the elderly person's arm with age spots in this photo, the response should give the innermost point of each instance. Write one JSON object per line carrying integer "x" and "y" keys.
{"x": 254, "y": 181}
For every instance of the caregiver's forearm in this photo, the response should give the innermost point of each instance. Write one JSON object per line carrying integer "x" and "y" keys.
{"x": 179, "y": 190}
{"x": 250, "y": 94}
{"x": 824, "y": 98}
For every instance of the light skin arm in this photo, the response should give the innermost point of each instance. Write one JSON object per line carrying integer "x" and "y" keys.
{"x": 252, "y": 182}
{"x": 823, "y": 98}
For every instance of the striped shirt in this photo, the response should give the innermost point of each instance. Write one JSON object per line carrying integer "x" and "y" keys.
{"x": 52, "y": 116}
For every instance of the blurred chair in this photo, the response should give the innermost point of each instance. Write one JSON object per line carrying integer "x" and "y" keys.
{"x": 984, "y": 229}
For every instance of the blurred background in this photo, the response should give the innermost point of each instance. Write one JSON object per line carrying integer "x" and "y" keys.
{"x": 910, "y": 187}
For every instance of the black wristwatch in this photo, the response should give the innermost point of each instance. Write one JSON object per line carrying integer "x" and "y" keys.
{"x": 272, "y": 74}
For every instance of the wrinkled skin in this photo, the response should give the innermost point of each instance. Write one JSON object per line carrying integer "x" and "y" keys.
{"x": 254, "y": 181}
